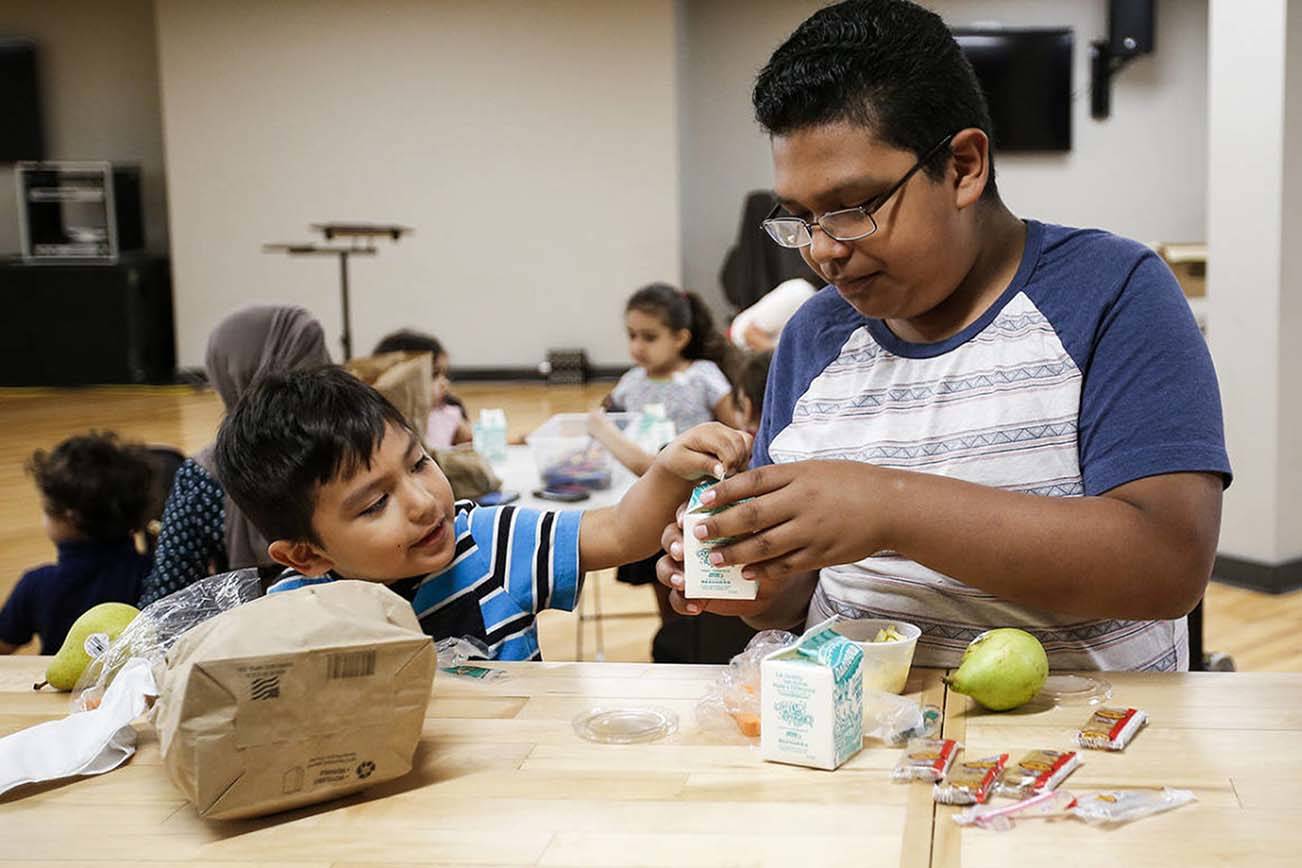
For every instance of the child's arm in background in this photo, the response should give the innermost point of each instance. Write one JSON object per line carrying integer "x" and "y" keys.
{"x": 727, "y": 412}
{"x": 626, "y": 452}
{"x": 463, "y": 434}
{"x": 631, "y": 529}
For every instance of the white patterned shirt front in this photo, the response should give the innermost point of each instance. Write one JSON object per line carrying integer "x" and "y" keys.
{"x": 1087, "y": 373}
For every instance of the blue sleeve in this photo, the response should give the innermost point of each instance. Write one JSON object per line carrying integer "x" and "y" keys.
{"x": 535, "y": 554}
{"x": 1150, "y": 403}
{"x": 193, "y": 535}
{"x": 17, "y": 618}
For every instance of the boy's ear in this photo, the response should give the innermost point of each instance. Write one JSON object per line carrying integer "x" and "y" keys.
{"x": 301, "y": 556}
{"x": 971, "y": 152}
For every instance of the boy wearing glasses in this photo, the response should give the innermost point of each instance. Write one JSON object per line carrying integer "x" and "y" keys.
{"x": 982, "y": 421}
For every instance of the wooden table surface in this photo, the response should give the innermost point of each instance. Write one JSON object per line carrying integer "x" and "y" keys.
{"x": 501, "y": 779}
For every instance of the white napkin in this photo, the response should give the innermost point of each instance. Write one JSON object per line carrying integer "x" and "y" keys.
{"x": 86, "y": 743}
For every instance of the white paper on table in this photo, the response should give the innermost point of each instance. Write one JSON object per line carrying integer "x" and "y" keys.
{"x": 85, "y": 743}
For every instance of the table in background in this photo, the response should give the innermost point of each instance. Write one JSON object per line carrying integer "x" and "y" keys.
{"x": 520, "y": 473}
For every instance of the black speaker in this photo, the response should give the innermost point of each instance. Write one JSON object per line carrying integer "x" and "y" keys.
{"x": 21, "y": 134}
{"x": 1132, "y": 27}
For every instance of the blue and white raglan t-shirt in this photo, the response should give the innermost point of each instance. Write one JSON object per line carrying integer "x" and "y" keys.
{"x": 509, "y": 564}
{"x": 1087, "y": 373}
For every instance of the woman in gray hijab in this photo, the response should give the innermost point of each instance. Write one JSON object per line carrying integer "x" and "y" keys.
{"x": 203, "y": 532}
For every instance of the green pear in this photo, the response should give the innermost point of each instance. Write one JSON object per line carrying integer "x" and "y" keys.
{"x": 87, "y": 639}
{"x": 1001, "y": 669}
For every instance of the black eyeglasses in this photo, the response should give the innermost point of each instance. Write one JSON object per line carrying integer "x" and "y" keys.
{"x": 848, "y": 224}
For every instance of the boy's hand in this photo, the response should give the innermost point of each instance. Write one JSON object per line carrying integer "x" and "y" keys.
{"x": 712, "y": 449}
{"x": 801, "y": 516}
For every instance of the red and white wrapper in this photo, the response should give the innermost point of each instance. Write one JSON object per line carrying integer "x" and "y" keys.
{"x": 1111, "y": 728}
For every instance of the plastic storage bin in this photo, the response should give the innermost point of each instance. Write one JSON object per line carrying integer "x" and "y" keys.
{"x": 567, "y": 455}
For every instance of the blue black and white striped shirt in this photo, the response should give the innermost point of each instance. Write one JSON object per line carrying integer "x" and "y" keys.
{"x": 510, "y": 563}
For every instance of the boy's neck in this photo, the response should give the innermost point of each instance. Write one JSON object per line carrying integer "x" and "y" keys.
{"x": 1003, "y": 240}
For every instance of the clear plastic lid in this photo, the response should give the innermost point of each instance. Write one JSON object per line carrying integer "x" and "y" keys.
{"x": 611, "y": 725}
{"x": 1075, "y": 690}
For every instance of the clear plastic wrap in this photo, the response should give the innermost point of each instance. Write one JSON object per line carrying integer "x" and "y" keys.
{"x": 896, "y": 719}
{"x": 1000, "y": 817}
{"x": 157, "y": 628}
{"x": 1104, "y": 808}
{"x": 455, "y": 654}
{"x": 1122, "y": 806}
{"x": 732, "y": 702}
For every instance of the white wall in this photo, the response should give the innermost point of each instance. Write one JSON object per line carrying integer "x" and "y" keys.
{"x": 99, "y": 83}
{"x": 1289, "y": 395}
{"x": 532, "y": 146}
{"x": 1141, "y": 173}
{"x": 1243, "y": 269}
{"x": 1255, "y": 269}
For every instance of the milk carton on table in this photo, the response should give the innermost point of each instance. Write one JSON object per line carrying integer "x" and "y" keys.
{"x": 811, "y": 698}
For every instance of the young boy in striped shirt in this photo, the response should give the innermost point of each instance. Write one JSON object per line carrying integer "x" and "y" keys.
{"x": 331, "y": 472}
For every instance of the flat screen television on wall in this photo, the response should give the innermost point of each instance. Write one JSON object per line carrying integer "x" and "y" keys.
{"x": 1026, "y": 76}
{"x": 21, "y": 134}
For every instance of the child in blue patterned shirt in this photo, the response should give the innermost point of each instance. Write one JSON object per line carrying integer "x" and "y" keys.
{"x": 333, "y": 474}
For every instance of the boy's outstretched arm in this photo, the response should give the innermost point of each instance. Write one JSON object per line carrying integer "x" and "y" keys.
{"x": 630, "y": 530}
{"x": 1143, "y": 550}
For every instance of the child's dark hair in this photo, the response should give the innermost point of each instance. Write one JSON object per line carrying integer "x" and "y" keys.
{"x": 684, "y": 310}
{"x": 292, "y": 432}
{"x": 888, "y": 65}
{"x": 99, "y": 484}
{"x": 750, "y": 376}
{"x": 409, "y": 341}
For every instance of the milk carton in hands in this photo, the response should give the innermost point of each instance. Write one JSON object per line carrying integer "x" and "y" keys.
{"x": 702, "y": 580}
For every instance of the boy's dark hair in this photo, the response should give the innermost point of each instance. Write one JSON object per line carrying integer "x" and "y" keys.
{"x": 409, "y": 341}
{"x": 292, "y": 432}
{"x": 750, "y": 377}
{"x": 888, "y": 65}
{"x": 679, "y": 309}
{"x": 102, "y": 486}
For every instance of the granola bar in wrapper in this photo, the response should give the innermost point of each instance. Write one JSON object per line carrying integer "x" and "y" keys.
{"x": 1111, "y": 728}
{"x": 925, "y": 759}
{"x": 971, "y": 782}
{"x": 1037, "y": 772}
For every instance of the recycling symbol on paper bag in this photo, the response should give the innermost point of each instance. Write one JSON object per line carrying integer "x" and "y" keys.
{"x": 364, "y": 770}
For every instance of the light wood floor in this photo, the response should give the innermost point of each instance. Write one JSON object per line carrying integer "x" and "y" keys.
{"x": 1259, "y": 630}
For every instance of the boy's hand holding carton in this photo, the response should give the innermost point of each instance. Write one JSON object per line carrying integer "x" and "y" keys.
{"x": 709, "y": 450}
